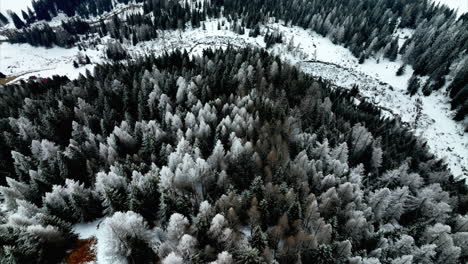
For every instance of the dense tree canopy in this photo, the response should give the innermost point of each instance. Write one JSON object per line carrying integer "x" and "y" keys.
{"x": 231, "y": 157}
{"x": 367, "y": 28}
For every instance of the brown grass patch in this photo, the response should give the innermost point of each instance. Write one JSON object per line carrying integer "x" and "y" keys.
{"x": 8, "y": 79}
{"x": 82, "y": 252}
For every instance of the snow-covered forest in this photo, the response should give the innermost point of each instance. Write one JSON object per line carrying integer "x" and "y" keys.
{"x": 231, "y": 131}
{"x": 229, "y": 155}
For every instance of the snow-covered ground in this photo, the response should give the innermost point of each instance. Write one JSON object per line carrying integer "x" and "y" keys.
{"x": 14, "y": 5}
{"x": 24, "y": 60}
{"x": 460, "y": 5}
{"x": 87, "y": 230}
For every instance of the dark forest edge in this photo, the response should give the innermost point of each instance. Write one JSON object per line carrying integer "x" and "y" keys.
{"x": 180, "y": 155}
{"x": 438, "y": 47}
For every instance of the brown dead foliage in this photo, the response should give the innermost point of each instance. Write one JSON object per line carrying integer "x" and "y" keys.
{"x": 83, "y": 251}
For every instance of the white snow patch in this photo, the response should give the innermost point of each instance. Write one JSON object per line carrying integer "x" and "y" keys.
{"x": 246, "y": 231}
{"x": 14, "y": 5}
{"x": 87, "y": 230}
{"x": 24, "y": 60}
{"x": 460, "y": 5}
{"x": 444, "y": 136}
{"x": 55, "y": 21}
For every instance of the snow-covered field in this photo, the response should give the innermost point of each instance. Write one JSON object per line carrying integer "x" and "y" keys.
{"x": 87, "y": 230}
{"x": 24, "y": 61}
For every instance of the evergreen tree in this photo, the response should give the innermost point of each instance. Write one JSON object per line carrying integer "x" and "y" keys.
{"x": 413, "y": 85}
{"x": 392, "y": 51}
{"x": 3, "y": 19}
{"x": 19, "y": 24}
{"x": 113, "y": 190}
{"x": 401, "y": 70}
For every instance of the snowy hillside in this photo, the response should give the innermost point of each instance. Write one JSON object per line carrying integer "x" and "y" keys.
{"x": 23, "y": 61}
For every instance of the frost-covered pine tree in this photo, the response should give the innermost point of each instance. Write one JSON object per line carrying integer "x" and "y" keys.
{"x": 124, "y": 238}
{"x": 112, "y": 187}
